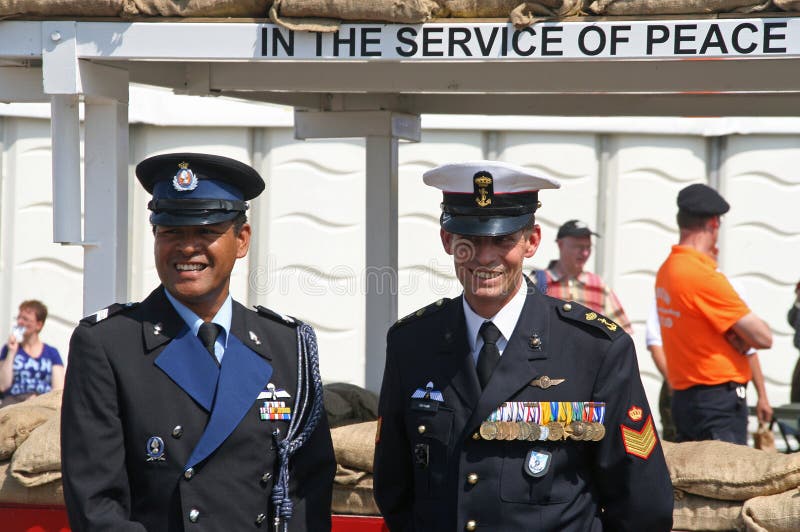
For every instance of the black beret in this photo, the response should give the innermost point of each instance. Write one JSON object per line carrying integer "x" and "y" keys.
{"x": 197, "y": 188}
{"x": 702, "y": 200}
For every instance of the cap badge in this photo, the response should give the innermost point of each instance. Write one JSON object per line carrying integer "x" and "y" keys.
{"x": 484, "y": 189}
{"x": 184, "y": 180}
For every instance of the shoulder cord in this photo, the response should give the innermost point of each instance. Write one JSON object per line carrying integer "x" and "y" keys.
{"x": 309, "y": 387}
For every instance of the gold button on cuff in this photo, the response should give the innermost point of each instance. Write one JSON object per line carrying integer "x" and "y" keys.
{"x": 421, "y": 429}
{"x": 471, "y": 525}
{"x": 472, "y": 478}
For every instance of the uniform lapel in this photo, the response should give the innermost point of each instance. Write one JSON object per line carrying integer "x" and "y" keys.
{"x": 243, "y": 375}
{"x": 184, "y": 359}
{"x": 455, "y": 356}
{"x": 517, "y": 366}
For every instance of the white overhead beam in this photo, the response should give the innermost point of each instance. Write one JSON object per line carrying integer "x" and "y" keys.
{"x": 21, "y": 84}
{"x": 345, "y": 124}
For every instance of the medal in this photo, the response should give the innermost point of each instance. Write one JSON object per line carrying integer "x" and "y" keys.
{"x": 536, "y": 431}
{"x": 488, "y": 430}
{"x": 556, "y": 431}
{"x": 576, "y": 430}
{"x": 524, "y": 430}
{"x": 600, "y": 431}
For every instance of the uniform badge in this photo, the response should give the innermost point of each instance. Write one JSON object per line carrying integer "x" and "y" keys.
{"x": 157, "y": 329}
{"x": 421, "y": 455}
{"x": 535, "y": 342}
{"x": 184, "y": 180}
{"x": 639, "y": 442}
{"x": 273, "y": 409}
{"x": 484, "y": 189}
{"x": 544, "y": 382}
{"x": 155, "y": 449}
{"x": 537, "y": 463}
{"x": 254, "y": 338}
{"x": 635, "y": 413}
{"x": 428, "y": 393}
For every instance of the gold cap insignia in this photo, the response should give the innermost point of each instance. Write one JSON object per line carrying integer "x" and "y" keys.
{"x": 484, "y": 189}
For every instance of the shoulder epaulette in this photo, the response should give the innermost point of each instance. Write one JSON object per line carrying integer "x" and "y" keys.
{"x": 274, "y": 316}
{"x": 424, "y": 311}
{"x": 578, "y": 313}
{"x": 107, "y": 312}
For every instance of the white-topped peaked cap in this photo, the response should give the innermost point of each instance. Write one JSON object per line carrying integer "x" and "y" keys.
{"x": 487, "y": 198}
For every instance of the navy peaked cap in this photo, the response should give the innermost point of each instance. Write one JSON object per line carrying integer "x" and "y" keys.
{"x": 197, "y": 188}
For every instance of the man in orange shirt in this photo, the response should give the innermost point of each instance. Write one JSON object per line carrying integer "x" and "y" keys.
{"x": 706, "y": 327}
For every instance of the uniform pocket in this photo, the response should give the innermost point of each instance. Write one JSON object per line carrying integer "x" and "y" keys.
{"x": 516, "y": 485}
{"x": 429, "y": 435}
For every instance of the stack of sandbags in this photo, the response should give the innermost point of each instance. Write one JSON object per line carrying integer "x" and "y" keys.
{"x": 346, "y": 404}
{"x": 30, "y": 452}
{"x": 354, "y": 446}
{"x": 722, "y": 486}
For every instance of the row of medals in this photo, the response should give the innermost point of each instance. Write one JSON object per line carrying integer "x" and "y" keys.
{"x": 553, "y": 431}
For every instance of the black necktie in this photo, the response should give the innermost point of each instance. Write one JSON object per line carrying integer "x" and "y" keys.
{"x": 208, "y": 333}
{"x": 489, "y": 355}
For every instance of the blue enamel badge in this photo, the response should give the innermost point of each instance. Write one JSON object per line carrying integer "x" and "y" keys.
{"x": 537, "y": 463}
{"x": 428, "y": 393}
{"x": 155, "y": 449}
{"x": 184, "y": 180}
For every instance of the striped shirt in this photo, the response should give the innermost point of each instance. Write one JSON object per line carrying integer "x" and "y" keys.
{"x": 589, "y": 290}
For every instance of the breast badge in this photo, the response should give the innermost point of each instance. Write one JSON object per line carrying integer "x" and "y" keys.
{"x": 155, "y": 449}
{"x": 427, "y": 399}
{"x": 274, "y": 409}
{"x": 537, "y": 463}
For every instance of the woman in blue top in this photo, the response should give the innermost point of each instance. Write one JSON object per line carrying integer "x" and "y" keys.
{"x": 29, "y": 366}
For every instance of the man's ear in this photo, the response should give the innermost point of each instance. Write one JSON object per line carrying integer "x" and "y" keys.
{"x": 533, "y": 241}
{"x": 447, "y": 241}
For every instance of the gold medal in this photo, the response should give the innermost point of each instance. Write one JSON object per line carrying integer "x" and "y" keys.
{"x": 536, "y": 431}
{"x": 556, "y": 431}
{"x": 589, "y": 433}
{"x": 502, "y": 431}
{"x": 576, "y": 430}
{"x": 488, "y": 430}
{"x": 600, "y": 431}
{"x": 524, "y": 430}
{"x": 513, "y": 431}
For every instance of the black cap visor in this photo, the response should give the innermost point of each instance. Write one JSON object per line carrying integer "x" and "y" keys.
{"x": 191, "y": 217}
{"x": 484, "y": 225}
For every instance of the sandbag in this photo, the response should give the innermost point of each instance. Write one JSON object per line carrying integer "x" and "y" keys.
{"x": 60, "y": 8}
{"x": 773, "y": 513}
{"x": 787, "y": 5}
{"x": 19, "y": 420}
{"x": 692, "y": 512}
{"x": 725, "y": 471}
{"x": 347, "y": 404}
{"x": 354, "y": 445}
{"x": 676, "y": 7}
{"x": 197, "y": 8}
{"x": 11, "y": 491}
{"x": 503, "y": 8}
{"x": 356, "y": 499}
{"x": 38, "y": 460}
{"x": 407, "y": 11}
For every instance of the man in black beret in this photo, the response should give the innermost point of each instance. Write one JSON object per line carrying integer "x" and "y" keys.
{"x": 707, "y": 330}
{"x": 184, "y": 411}
{"x": 504, "y": 409}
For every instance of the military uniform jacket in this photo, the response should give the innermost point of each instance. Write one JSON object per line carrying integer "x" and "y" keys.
{"x": 464, "y": 482}
{"x": 137, "y": 375}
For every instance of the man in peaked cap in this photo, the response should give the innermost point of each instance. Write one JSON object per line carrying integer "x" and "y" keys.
{"x": 706, "y": 328}
{"x": 505, "y": 409}
{"x": 182, "y": 412}
{"x": 566, "y": 279}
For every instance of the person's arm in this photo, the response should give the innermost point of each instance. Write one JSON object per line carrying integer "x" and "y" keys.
{"x": 763, "y": 409}
{"x": 7, "y": 364}
{"x": 57, "y": 377}
{"x": 393, "y": 471}
{"x": 659, "y": 359}
{"x": 629, "y": 473}
{"x": 94, "y": 473}
{"x": 792, "y": 315}
{"x": 753, "y": 331}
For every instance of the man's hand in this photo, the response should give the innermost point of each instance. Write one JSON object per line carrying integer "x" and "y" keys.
{"x": 763, "y": 410}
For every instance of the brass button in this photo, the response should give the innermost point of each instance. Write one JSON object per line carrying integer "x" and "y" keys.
{"x": 177, "y": 432}
{"x": 471, "y": 525}
{"x": 472, "y": 478}
{"x": 476, "y": 436}
{"x": 194, "y": 515}
{"x": 421, "y": 429}
{"x": 189, "y": 473}
{"x": 567, "y": 307}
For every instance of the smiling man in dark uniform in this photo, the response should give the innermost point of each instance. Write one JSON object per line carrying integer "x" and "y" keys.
{"x": 504, "y": 409}
{"x": 184, "y": 412}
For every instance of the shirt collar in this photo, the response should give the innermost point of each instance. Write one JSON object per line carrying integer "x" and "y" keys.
{"x": 222, "y": 318}
{"x": 505, "y": 320}
{"x": 557, "y": 277}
